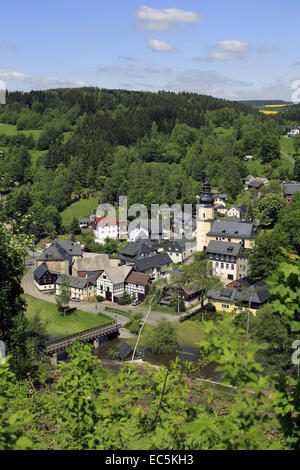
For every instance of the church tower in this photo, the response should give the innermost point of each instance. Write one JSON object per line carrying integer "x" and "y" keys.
{"x": 205, "y": 215}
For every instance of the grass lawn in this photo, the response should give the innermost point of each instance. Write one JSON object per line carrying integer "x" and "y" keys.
{"x": 223, "y": 130}
{"x": 81, "y": 208}
{"x": 189, "y": 332}
{"x": 57, "y": 325}
{"x": 256, "y": 165}
{"x": 287, "y": 145}
{"x": 11, "y": 129}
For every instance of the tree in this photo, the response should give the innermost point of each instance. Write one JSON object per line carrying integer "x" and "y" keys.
{"x": 284, "y": 286}
{"x": 163, "y": 338}
{"x": 13, "y": 323}
{"x": 270, "y": 331}
{"x": 266, "y": 254}
{"x": 125, "y": 298}
{"x": 296, "y": 143}
{"x": 199, "y": 275}
{"x": 63, "y": 299}
{"x": 268, "y": 208}
{"x": 74, "y": 227}
{"x": 297, "y": 169}
{"x": 270, "y": 149}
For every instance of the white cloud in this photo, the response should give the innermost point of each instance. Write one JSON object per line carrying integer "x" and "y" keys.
{"x": 151, "y": 19}
{"x": 222, "y": 55}
{"x": 7, "y": 75}
{"x": 160, "y": 46}
{"x": 233, "y": 46}
{"x": 39, "y": 82}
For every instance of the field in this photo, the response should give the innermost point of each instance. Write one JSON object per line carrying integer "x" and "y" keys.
{"x": 287, "y": 145}
{"x": 10, "y": 129}
{"x": 81, "y": 208}
{"x": 189, "y": 333}
{"x": 223, "y": 130}
{"x": 57, "y": 325}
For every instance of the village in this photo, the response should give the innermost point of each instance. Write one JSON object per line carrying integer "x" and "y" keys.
{"x": 151, "y": 254}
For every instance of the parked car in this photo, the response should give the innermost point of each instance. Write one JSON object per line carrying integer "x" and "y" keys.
{"x": 136, "y": 302}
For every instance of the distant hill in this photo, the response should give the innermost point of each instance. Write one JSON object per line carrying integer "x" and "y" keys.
{"x": 263, "y": 102}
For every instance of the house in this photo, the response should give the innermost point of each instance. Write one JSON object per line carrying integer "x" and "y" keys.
{"x": 138, "y": 233}
{"x": 60, "y": 255}
{"x": 290, "y": 189}
{"x": 238, "y": 211}
{"x": 184, "y": 225}
{"x": 294, "y": 131}
{"x": 235, "y": 232}
{"x": 81, "y": 288}
{"x": 234, "y": 299}
{"x": 111, "y": 282}
{"x": 137, "y": 284}
{"x": 244, "y": 267}
{"x": 248, "y": 158}
{"x": 44, "y": 279}
{"x": 224, "y": 257}
{"x": 189, "y": 294}
{"x": 220, "y": 200}
{"x": 138, "y": 249}
{"x": 109, "y": 227}
{"x": 155, "y": 266}
{"x": 241, "y": 283}
{"x": 84, "y": 222}
{"x": 180, "y": 250}
{"x": 157, "y": 231}
{"x": 92, "y": 264}
{"x": 255, "y": 184}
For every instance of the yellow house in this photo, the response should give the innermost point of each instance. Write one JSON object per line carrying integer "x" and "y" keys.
{"x": 230, "y": 299}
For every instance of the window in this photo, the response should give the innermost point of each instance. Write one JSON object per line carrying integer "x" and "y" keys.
{"x": 217, "y": 264}
{"x": 103, "y": 277}
{"x": 232, "y": 266}
{"x": 227, "y": 266}
{"x": 222, "y": 265}
{"x": 225, "y": 306}
{"x": 230, "y": 277}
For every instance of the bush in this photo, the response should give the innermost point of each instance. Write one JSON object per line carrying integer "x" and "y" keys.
{"x": 100, "y": 298}
{"x": 163, "y": 338}
{"x": 125, "y": 299}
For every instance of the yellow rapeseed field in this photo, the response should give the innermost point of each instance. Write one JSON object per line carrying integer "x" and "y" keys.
{"x": 268, "y": 112}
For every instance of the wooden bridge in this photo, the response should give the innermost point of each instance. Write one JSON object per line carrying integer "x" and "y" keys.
{"x": 92, "y": 334}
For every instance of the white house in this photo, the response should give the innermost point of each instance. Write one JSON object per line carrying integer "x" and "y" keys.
{"x": 180, "y": 250}
{"x": 109, "y": 227}
{"x": 114, "y": 281}
{"x": 224, "y": 257}
{"x": 110, "y": 283}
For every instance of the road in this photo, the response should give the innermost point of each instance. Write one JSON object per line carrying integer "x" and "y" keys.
{"x": 288, "y": 157}
{"x": 93, "y": 307}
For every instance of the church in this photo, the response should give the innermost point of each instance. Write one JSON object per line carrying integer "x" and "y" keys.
{"x": 225, "y": 241}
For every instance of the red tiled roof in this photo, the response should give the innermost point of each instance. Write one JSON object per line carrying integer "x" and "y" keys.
{"x": 137, "y": 278}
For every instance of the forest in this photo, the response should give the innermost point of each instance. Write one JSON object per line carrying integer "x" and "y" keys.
{"x": 152, "y": 147}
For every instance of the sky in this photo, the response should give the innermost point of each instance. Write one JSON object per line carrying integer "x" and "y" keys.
{"x": 234, "y": 49}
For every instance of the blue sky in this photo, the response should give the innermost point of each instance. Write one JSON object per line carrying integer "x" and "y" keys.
{"x": 236, "y": 49}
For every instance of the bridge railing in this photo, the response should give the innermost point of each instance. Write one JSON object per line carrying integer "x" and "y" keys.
{"x": 82, "y": 334}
